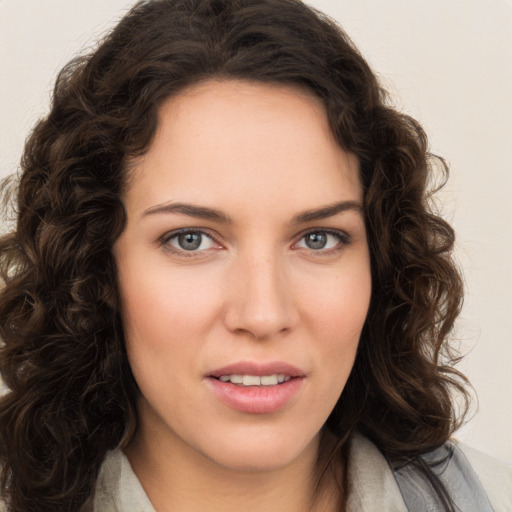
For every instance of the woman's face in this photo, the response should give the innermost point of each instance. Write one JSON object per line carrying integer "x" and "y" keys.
{"x": 244, "y": 274}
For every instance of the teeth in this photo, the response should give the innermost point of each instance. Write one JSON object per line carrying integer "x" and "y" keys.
{"x": 251, "y": 380}
{"x": 269, "y": 380}
{"x": 254, "y": 380}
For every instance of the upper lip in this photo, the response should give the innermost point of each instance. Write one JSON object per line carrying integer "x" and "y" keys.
{"x": 258, "y": 369}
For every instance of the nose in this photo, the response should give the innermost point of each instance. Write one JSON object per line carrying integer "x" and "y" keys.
{"x": 260, "y": 301}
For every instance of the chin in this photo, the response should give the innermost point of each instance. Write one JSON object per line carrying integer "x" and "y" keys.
{"x": 259, "y": 451}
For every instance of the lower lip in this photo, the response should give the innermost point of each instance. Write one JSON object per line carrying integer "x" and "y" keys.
{"x": 255, "y": 399}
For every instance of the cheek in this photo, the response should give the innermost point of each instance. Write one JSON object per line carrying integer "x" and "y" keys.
{"x": 334, "y": 315}
{"x": 159, "y": 303}
{"x": 339, "y": 303}
{"x": 165, "y": 316}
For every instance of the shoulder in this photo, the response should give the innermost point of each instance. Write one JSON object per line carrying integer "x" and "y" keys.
{"x": 372, "y": 480}
{"x": 118, "y": 489}
{"x": 372, "y": 485}
{"x": 494, "y": 475}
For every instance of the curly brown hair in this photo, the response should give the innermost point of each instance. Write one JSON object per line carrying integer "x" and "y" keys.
{"x": 71, "y": 394}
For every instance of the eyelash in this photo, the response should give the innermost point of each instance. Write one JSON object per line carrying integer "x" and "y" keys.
{"x": 164, "y": 241}
{"x": 344, "y": 239}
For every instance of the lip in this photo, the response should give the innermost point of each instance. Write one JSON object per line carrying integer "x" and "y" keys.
{"x": 256, "y": 399}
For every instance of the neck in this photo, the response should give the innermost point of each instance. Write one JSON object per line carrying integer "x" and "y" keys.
{"x": 178, "y": 478}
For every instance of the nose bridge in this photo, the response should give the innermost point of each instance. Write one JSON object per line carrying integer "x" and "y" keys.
{"x": 261, "y": 301}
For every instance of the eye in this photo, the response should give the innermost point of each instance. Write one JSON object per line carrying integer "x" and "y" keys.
{"x": 323, "y": 240}
{"x": 189, "y": 241}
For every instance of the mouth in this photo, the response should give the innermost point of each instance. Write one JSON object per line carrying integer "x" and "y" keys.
{"x": 257, "y": 374}
{"x": 256, "y": 380}
{"x": 256, "y": 388}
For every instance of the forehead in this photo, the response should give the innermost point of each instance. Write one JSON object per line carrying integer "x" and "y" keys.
{"x": 246, "y": 142}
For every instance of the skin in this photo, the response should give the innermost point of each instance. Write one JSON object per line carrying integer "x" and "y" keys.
{"x": 254, "y": 290}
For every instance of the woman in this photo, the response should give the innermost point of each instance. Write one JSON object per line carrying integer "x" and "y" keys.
{"x": 225, "y": 289}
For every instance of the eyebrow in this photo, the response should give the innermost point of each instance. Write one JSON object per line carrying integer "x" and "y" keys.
{"x": 201, "y": 212}
{"x": 204, "y": 212}
{"x": 327, "y": 211}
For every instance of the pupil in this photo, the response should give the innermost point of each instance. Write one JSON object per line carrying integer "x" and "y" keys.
{"x": 316, "y": 240}
{"x": 189, "y": 241}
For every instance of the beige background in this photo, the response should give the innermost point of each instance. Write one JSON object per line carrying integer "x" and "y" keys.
{"x": 447, "y": 63}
